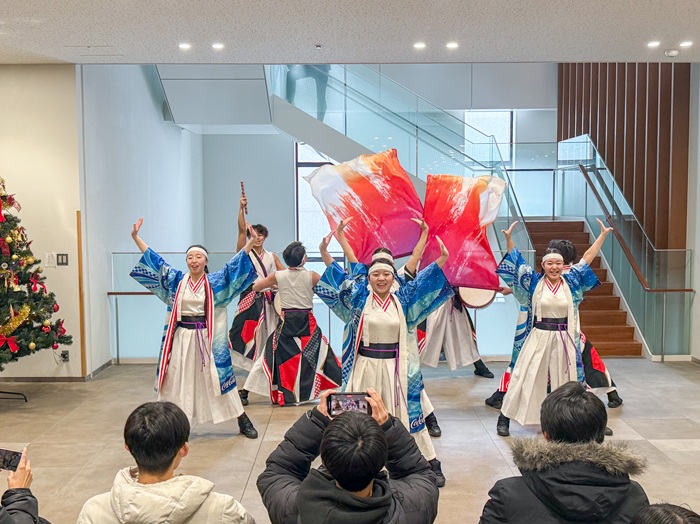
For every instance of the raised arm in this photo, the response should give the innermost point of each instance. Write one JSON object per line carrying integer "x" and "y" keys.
{"x": 266, "y": 283}
{"x": 279, "y": 266}
{"x": 340, "y": 235}
{"x": 323, "y": 248}
{"x": 241, "y": 241}
{"x": 508, "y": 233}
{"x": 444, "y": 254}
{"x": 412, "y": 264}
{"x": 135, "y": 235}
{"x": 593, "y": 251}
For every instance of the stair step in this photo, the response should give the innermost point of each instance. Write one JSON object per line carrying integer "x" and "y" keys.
{"x": 605, "y": 288}
{"x": 602, "y": 318}
{"x": 608, "y": 333}
{"x": 602, "y": 274}
{"x": 543, "y": 237}
{"x": 619, "y": 348}
{"x": 600, "y": 302}
{"x": 563, "y": 226}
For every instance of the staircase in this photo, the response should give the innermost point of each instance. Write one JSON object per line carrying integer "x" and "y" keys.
{"x": 602, "y": 320}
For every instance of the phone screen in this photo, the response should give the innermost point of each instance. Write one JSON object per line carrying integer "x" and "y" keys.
{"x": 340, "y": 402}
{"x": 9, "y": 460}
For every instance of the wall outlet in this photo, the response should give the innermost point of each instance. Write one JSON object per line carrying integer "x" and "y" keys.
{"x": 62, "y": 259}
{"x": 65, "y": 355}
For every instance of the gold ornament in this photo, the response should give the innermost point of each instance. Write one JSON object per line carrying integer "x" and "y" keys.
{"x": 14, "y": 322}
{"x": 40, "y": 269}
{"x": 15, "y": 257}
{"x": 46, "y": 323}
{"x": 8, "y": 239}
{"x": 30, "y": 260}
{"x": 32, "y": 346}
{"x": 16, "y": 289}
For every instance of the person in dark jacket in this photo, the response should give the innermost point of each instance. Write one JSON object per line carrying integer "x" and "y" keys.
{"x": 18, "y": 505}
{"x": 665, "y": 514}
{"x": 569, "y": 475}
{"x": 349, "y": 487}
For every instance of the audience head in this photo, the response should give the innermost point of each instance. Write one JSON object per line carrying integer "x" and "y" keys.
{"x": 571, "y": 414}
{"x": 294, "y": 254}
{"x": 354, "y": 450}
{"x": 665, "y": 514}
{"x": 566, "y": 248}
{"x": 155, "y": 433}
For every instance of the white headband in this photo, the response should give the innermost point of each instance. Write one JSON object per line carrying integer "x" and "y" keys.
{"x": 550, "y": 256}
{"x": 382, "y": 254}
{"x": 381, "y": 267}
{"x": 197, "y": 249}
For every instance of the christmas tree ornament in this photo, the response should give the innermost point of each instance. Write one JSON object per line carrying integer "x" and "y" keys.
{"x": 55, "y": 307}
{"x": 46, "y": 322}
{"x": 8, "y": 239}
{"x": 29, "y": 260}
{"x": 54, "y": 346}
{"x": 32, "y": 346}
{"x": 40, "y": 269}
{"x": 46, "y": 329}
{"x": 15, "y": 257}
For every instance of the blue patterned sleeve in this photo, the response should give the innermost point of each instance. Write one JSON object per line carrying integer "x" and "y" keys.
{"x": 234, "y": 277}
{"x": 517, "y": 275}
{"x": 581, "y": 278}
{"x": 153, "y": 273}
{"x": 340, "y": 292}
{"x": 425, "y": 294}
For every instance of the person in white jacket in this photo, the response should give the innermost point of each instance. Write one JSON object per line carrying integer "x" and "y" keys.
{"x": 156, "y": 435}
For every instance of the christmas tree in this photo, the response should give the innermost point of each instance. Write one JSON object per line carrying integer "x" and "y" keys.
{"x": 26, "y": 306}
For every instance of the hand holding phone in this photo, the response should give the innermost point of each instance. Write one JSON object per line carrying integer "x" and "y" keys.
{"x": 337, "y": 403}
{"x": 9, "y": 460}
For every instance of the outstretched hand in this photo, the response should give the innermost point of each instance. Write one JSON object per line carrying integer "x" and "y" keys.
{"x": 342, "y": 224}
{"x": 421, "y": 222}
{"x": 323, "y": 402}
{"x": 509, "y": 232}
{"x": 253, "y": 236}
{"x": 443, "y": 253}
{"x": 379, "y": 411}
{"x": 22, "y": 477}
{"x": 325, "y": 242}
{"x": 136, "y": 228}
{"x": 604, "y": 230}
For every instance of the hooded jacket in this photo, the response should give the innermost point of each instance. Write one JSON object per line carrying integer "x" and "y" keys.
{"x": 19, "y": 506}
{"x": 181, "y": 499}
{"x": 566, "y": 483}
{"x": 294, "y": 493}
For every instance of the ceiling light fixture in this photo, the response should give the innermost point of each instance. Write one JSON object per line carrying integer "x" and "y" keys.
{"x": 218, "y": 47}
{"x": 687, "y": 43}
{"x": 318, "y": 47}
{"x": 654, "y": 43}
{"x": 672, "y": 52}
{"x": 452, "y": 45}
{"x": 419, "y": 45}
{"x": 185, "y": 46}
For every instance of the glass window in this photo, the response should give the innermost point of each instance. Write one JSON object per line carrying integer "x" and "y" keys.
{"x": 496, "y": 123}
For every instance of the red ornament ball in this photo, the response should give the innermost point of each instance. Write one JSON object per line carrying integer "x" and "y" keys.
{"x": 55, "y": 308}
{"x": 45, "y": 329}
{"x": 54, "y": 346}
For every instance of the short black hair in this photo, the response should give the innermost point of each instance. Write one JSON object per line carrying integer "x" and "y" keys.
{"x": 566, "y": 248}
{"x": 354, "y": 450}
{"x": 665, "y": 514}
{"x": 572, "y": 414}
{"x": 154, "y": 433}
{"x": 259, "y": 229}
{"x": 293, "y": 254}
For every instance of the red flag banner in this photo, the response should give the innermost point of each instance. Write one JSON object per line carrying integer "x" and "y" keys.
{"x": 458, "y": 209}
{"x": 376, "y": 192}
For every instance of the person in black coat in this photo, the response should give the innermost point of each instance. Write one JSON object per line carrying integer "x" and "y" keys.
{"x": 349, "y": 487}
{"x": 18, "y": 505}
{"x": 569, "y": 475}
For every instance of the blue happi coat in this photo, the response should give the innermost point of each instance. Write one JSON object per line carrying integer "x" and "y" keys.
{"x": 347, "y": 295}
{"x": 222, "y": 287}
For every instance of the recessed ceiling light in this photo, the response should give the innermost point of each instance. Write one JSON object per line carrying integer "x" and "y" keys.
{"x": 452, "y": 45}
{"x": 672, "y": 52}
{"x": 185, "y": 46}
{"x": 687, "y": 43}
{"x": 419, "y": 45}
{"x": 218, "y": 47}
{"x": 654, "y": 43}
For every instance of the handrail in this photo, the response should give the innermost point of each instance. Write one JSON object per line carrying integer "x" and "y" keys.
{"x": 625, "y": 248}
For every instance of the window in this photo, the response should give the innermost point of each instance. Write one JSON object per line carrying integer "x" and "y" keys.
{"x": 496, "y": 123}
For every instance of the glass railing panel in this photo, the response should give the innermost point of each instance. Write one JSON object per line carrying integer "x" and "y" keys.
{"x": 534, "y": 190}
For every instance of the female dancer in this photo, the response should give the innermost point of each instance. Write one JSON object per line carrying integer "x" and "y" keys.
{"x": 194, "y": 367}
{"x": 298, "y": 361}
{"x": 380, "y": 349}
{"x": 552, "y": 349}
{"x": 255, "y": 315}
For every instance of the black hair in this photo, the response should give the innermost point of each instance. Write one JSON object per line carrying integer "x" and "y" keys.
{"x": 665, "y": 514}
{"x": 566, "y": 248}
{"x": 572, "y": 414}
{"x": 259, "y": 229}
{"x": 381, "y": 261}
{"x": 383, "y": 250}
{"x": 206, "y": 267}
{"x": 154, "y": 433}
{"x": 293, "y": 254}
{"x": 354, "y": 449}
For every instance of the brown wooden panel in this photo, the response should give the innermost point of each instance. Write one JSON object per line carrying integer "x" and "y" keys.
{"x": 640, "y": 142}
{"x": 561, "y": 81}
{"x": 586, "y": 101}
{"x": 602, "y": 108}
{"x": 618, "y": 162}
{"x": 630, "y": 135}
{"x": 649, "y": 220}
{"x": 572, "y": 95}
{"x": 679, "y": 156}
{"x": 593, "y": 104}
{"x": 663, "y": 171}
{"x": 609, "y": 155}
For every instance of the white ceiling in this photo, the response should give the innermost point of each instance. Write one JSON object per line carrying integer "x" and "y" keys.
{"x": 351, "y": 31}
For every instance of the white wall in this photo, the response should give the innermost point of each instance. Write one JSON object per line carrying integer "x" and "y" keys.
{"x": 39, "y": 161}
{"x": 265, "y": 163}
{"x": 693, "y": 235}
{"x": 135, "y": 164}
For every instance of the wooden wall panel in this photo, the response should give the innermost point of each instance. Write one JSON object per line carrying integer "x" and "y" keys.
{"x": 638, "y": 117}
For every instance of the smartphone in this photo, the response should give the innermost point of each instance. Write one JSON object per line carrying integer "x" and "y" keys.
{"x": 341, "y": 402}
{"x": 9, "y": 460}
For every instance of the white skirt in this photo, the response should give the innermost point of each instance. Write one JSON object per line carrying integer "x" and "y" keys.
{"x": 191, "y": 386}
{"x": 379, "y": 373}
{"x": 543, "y": 355}
{"x": 448, "y": 329}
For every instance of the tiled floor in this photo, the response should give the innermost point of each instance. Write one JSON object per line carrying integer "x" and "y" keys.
{"x": 74, "y": 433}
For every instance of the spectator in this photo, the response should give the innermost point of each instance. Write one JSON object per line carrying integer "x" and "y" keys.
{"x": 665, "y": 514}
{"x": 18, "y": 505}
{"x": 156, "y": 435}
{"x": 349, "y": 487}
{"x": 570, "y": 475}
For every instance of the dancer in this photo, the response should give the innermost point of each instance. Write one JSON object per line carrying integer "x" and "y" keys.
{"x": 194, "y": 367}
{"x": 255, "y": 315}
{"x": 298, "y": 361}
{"x": 380, "y": 349}
{"x": 550, "y": 352}
{"x": 595, "y": 371}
